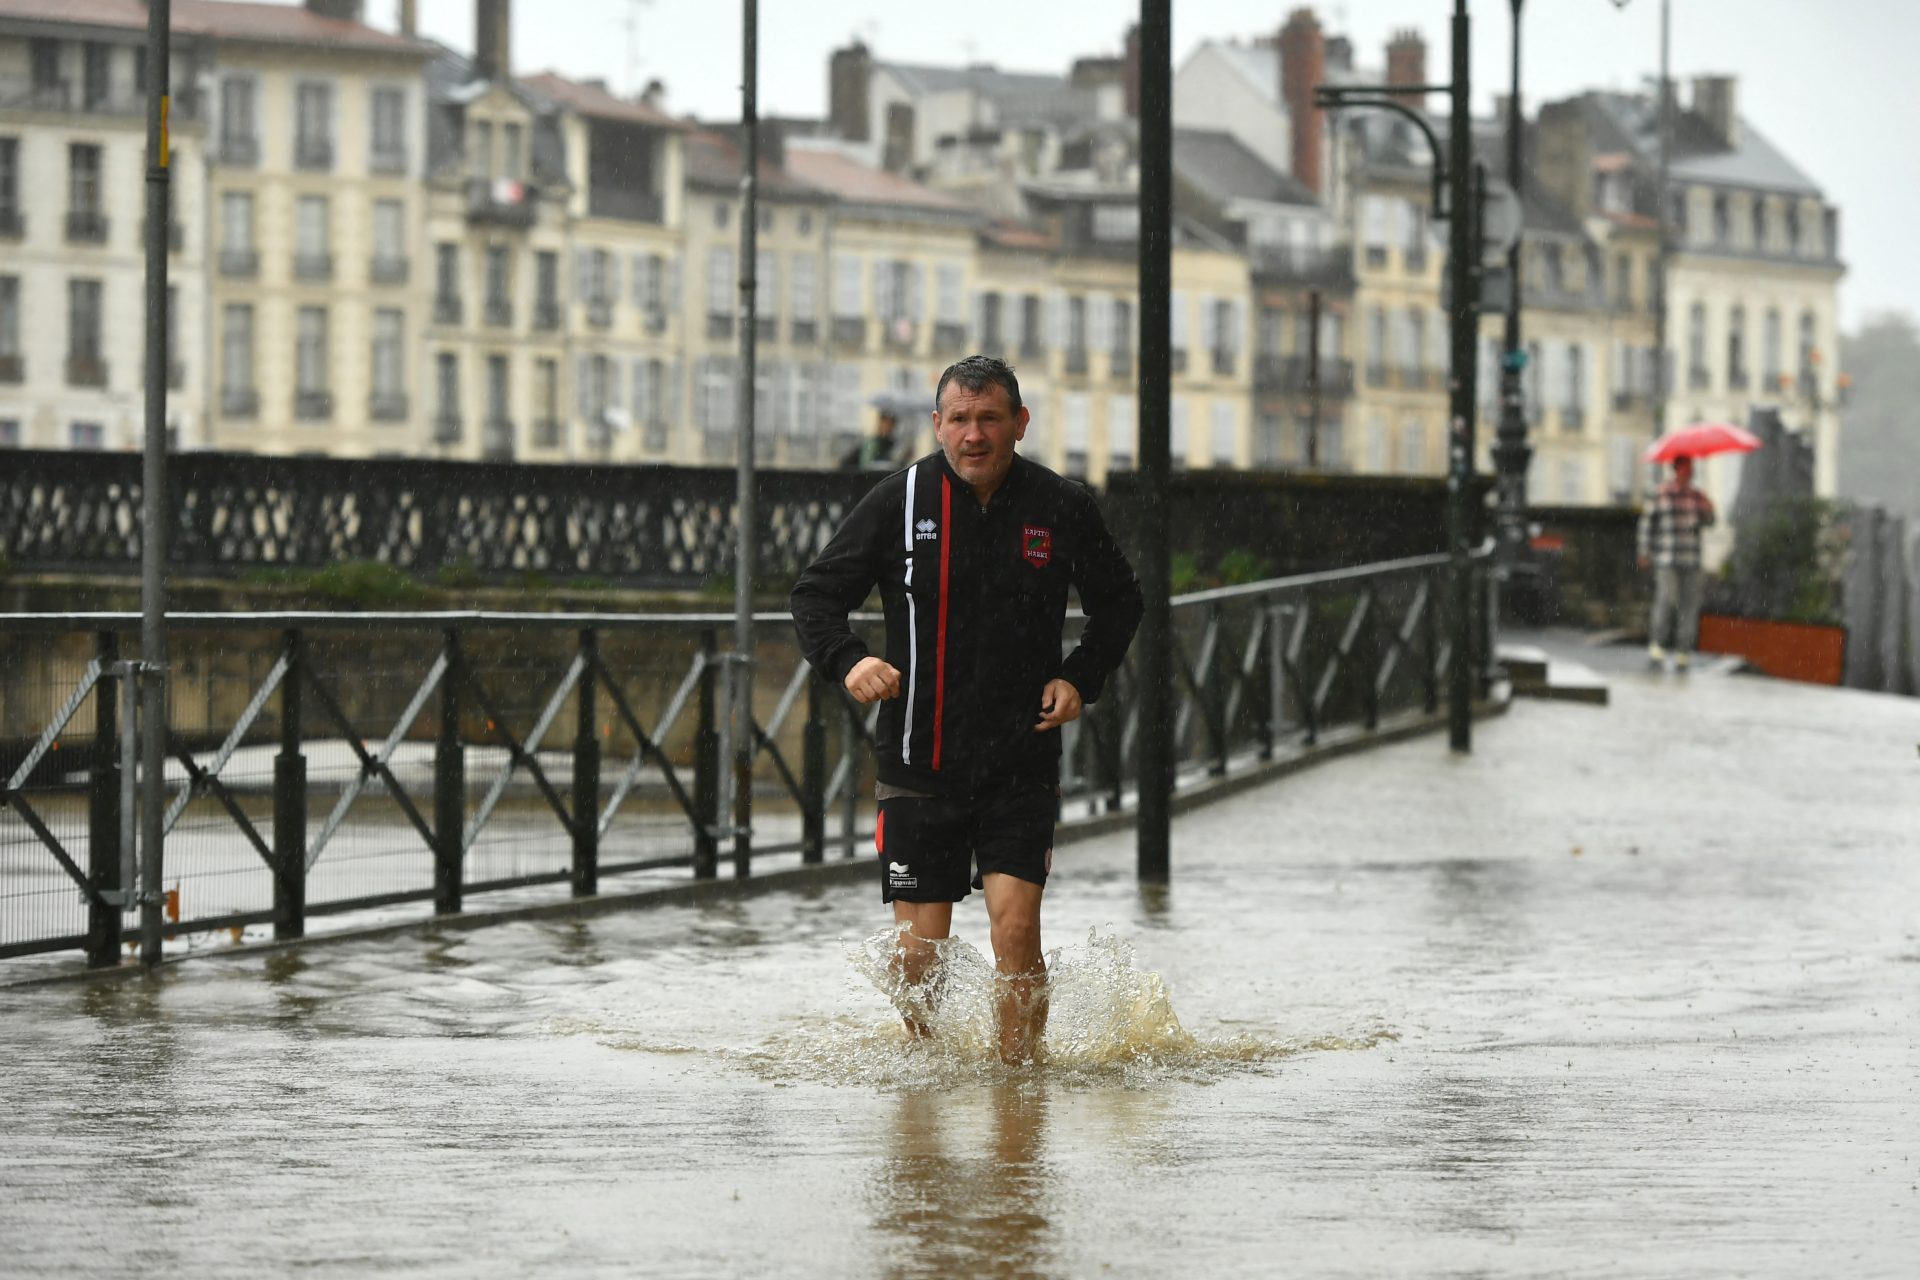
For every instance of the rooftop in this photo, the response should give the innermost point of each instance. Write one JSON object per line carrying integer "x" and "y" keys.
{"x": 848, "y": 179}
{"x": 593, "y": 98}
{"x": 1222, "y": 168}
{"x": 218, "y": 20}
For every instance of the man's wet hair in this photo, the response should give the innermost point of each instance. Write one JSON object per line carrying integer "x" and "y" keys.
{"x": 976, "y": 374}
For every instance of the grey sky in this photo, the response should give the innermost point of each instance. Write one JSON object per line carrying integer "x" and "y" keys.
{"x": 1828, "y": 80}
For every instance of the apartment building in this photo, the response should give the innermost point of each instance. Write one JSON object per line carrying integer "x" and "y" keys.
{"x": 72, "y": 232}
{"x": 315, "y": 195}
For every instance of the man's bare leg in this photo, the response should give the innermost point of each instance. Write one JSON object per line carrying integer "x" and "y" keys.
{"x": 1013, "y": 913}
{"x": 914, "y": 954}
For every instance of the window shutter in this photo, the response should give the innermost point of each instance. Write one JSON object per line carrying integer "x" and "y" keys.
{"x": 1236, "y": 325}
{"x": 642, "y": 396}
{"x": 1209, "y": 323}
{"x": 583, "y": 389}
{"x": 1178, "y": 321}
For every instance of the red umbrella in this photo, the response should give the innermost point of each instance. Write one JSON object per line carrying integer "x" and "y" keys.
{"x": 1701, "y": 439}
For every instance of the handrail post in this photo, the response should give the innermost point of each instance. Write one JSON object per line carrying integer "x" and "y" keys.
{"x": 1216, "y": 694}
{"x": 1430, "y": 629}
{"x": 1276, "y": 674}
{"x": 290, "y": 802}
{"x": 586, "y": 774}
{"x": 103, "y": 810}
{"x": 1370, "y": 670}
{"x": 1264, "y": 721}
{"x": 706, "y": 767}
{"x": 813, "y": 779}
{"x": 449, "y": 789}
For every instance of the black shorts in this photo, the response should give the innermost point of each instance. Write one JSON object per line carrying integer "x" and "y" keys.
{"x": 929, "y": 846}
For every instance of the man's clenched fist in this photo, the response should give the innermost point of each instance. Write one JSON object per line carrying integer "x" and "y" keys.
{"x": 873, "y": 679}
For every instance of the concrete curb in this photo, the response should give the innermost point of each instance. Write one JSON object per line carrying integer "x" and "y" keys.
{"x": 1332, "y": 746}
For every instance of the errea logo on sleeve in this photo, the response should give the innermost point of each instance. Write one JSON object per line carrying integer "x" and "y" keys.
{"x": 926, "y": 530}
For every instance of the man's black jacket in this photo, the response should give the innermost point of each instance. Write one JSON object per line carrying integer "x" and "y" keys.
{"x": 975, "y": 599}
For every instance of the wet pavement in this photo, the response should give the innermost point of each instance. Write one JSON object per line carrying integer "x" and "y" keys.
{"x": 1628, "y": 992}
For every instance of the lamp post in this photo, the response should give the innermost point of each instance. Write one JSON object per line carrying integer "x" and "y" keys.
{"x": 1454, "y": 197}
{"x": 1511, "y": 452}
{"x": 1662, "y": 377}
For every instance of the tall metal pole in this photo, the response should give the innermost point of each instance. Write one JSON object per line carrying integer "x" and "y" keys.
{"x": 1511, "y": 452}
{"x": 738, "y": 779}
{"x": 154, "y": 506}
{"x": 1466, "y": 311}
{"x": 1156, "y": 283}
{"x": 1662, "y": 371}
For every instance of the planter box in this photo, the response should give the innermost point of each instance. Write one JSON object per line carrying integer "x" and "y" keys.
{"x": 1787, "y": 650}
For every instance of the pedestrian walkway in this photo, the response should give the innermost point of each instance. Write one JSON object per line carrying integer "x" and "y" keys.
{"x": 1629, "y": 990}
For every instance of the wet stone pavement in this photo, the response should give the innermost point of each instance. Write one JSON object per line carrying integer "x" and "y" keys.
{"x": 1629, "y": 992}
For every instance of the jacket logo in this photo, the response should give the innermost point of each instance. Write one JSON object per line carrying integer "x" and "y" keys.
{"x": 1036, "y": 545}
{"x": 926, "y": 529}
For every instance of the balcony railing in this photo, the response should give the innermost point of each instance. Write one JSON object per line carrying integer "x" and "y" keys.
{"x": 239, "y": 402}
{"x": 1120, "y": 362}
{"x": 239, "y": 264}
{"x": 849, "y": 331}
{"x": 13, "y": 369}
{"x": 387, "y": 163}
{"x": 949, "y": 337}
{"x": 766, "y": 328}
{"x": 1698, "y": 379}
{"x": 546, "y": 433}
{"x": 1223, "y": 363}
{"x": 1376, "y": 255}
{"x": 388, "y": 406}
{"x": 388, "y": 270}
{"x": 1415, "y": 257}
{"x": 13, "y": 225}
{"x": 1274, "y": 374}
{"x": 802, "y": 333}
{"x": 86, "y": 371}
{"x": 1032, "y": 348}
{"x": 502, "y": 203}
{"x": 1376, "y": 375}
{"x": 240, "y": 152}
{"x": 447, "y": 309}
{"x": 313, "y": 154}
{"x": 1736, "y": 379}
{"x": 900, "y": 333}
{"x": 313, "y": 406}
{"x": 600, "y": 312}
{"x": 447, "y": 427}
{"x": 1076, "y": 360}
{"x": 86, "y": 227}
{"x": 656, "y": 319}
{"x": 499, "y": 313}
{"x": 176, "y": 374}
{"x": 1303, "y": 266}
{"x": 719, "y": 325}
{"x": 604, "y": 201}
{"x": 313, "y": 266}
{"x": 546, "y": 314}
{"x": 1177, "y": 360}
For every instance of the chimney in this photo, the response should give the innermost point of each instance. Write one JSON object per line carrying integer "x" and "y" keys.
{"x": 655, "y": 95}
{"x": 848, "y": 110}
{"x": 1407, "y": 64}
{"x": 1130, "y": 72}
{"x": 1339, "y": 53}
{"x": 1717, "y": 101}
{"x": 409, "y": 23}
{"x": 493, "y": 39}
{"x": 1303, "y": 65}
{"x": 773, "y": 144}
{"x": 344, "y": 10}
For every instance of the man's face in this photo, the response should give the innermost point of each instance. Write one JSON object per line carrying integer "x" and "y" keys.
{"x": 977, "y": 431}
{"x": 1683, "y": 472}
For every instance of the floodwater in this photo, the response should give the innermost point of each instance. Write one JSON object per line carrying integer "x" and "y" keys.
{"x": 1537, "y": 1012}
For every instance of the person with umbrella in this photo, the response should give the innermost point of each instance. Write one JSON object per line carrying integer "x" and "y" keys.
{"x": 1669, "y": 539}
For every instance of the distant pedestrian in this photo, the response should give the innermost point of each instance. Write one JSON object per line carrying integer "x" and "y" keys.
{"x": 973, "y": 548}
{"x": 878, "y": 451}
{"x": 1670, "y": 544}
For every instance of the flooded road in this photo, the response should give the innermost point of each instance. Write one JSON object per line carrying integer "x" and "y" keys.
{"x": 1537, "y": 1012}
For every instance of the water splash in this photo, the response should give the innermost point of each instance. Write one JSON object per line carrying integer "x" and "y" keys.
{"x": 1109, "y": 1022}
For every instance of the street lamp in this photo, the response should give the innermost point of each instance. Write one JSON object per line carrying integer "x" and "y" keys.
{"x": 1458, "y": 186}
{"x": 1511, "y": 452}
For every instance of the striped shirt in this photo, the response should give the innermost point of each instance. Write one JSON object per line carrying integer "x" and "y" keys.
{"x": 1670, "y": 526}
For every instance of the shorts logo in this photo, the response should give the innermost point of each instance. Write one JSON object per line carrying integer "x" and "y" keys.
{"x": 897, "y": 877}
{"x": 926, "y": 530}
{"x": 1036, "y": 545}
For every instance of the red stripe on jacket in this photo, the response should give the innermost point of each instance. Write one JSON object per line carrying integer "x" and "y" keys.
{"x": 940, "y": 643}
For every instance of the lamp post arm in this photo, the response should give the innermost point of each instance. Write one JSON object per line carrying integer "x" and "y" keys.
{"x": 1333, "y": 98}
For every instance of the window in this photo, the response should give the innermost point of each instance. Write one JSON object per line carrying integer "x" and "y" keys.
{"x": 848, "y": 301}
{"x": 313, "y": 254}
{"x": 1809, "y": 353}
{"x": 313, "y": 126}
{"x": 1722, "y": 221}
{"x": 766, "y": 220}
{"x": 1759, "y": 225}
{"x": 1697, "y": 346}
{"x": 499, "y": 285}
{"x": 95, "y": 80}
{"x": 1737, "y": 348}
{"x": 1622, "y": 282}
{"x": 83, "y": 321}
{"x": 239, "y": 136}
{"x": 389, "y": 236}
{"x": 765, "y": 279}
{"x": 236, "y": 226}
{"x": 389, "y": 344}
{"x": 720, "y": 282}
{"x": 1573, "y": 480}
{"x": 87, "y": 435}
{"x": 9, "y": 433}
{"x": 1413, "y": 340}
{"x": 512, "y": 151}
{"x": 310, "y": 355}
{"x": 1177, "y": 413}
{"x": 1376, "y": 345}
{"x": 498, "y": 402}
{"x": 1032, "y": 333}
{"x": 1177, "y": 326}
{"x": 1122, "y": 325}
{"x": 446, "y": 275}
{"x": 1077, "y": 325}
{"x": 1413, "y": 446}
{"x": 446, "y": 389}
{"x": 9, "y": 186}
{"x": 236, "y": 353}
{"x": 1122, "y": 433}
{"x": 722, "y": 214}
{"x": 1770, "y": 352}
{"x": 1223, "y": 434}
{"x": 803, "y": 287}
{"x": 948, "y": 304}
{"x": 481, "y": 160}
{"x": 10, "y": 329}
{"x": 83, "y": 180}
{"x": 389, "y": 142}
{"x": 1377, "y": 461}
{"x": 546, "y": 280}
{"x": 1573, "y": 408}
{"x": 546, "y": 400}
{"x": 46, "y": 64}
{"x": 1076, "y": 433}
{"x": 805, "y": 223}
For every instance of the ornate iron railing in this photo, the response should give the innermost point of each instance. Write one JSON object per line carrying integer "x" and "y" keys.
{"x": 329, "y": 763}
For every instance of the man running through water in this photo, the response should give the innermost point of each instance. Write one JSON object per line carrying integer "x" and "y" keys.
{"x": 973, "y": 548}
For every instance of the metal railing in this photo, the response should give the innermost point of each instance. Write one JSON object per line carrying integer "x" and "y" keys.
{"x": 329, "y": 763}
